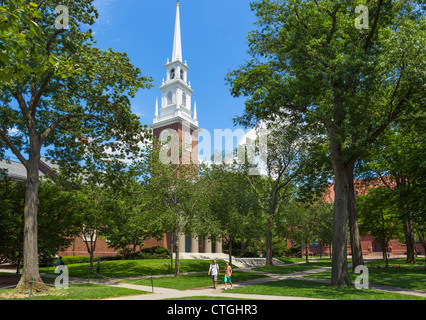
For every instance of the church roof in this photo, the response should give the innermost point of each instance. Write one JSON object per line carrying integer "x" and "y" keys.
{"x": 16, "y": 170}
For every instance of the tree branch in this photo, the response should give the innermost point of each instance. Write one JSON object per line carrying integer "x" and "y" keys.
{"x": 374, "y": 27}
{"x": 56, "y": 123}
{"x": 12, "y": 147}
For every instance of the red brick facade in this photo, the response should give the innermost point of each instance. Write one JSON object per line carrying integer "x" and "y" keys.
{"x": 368, "y": 243}
{"x": 78, "y": 247}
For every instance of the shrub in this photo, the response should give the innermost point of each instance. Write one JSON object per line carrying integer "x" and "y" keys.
{"x": 150, "y": 253}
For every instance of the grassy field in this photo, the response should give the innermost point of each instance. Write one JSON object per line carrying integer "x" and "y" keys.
{"x": 75, "y": 292}
{"x": 136, "y": 268}
{"x": 192, "y": 281}
{"x": 311, "y": 289}
{"x": 295, "y": 268}
{"x": 398, "y": 274}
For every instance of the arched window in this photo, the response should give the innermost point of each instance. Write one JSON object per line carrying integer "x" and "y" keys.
{"x": 184, "y": 99}
{"x": 164, "y": 137}
{"x": 188, "y": 141}
{"x": 172, "y": 74}
{"x": 169, "y": 98}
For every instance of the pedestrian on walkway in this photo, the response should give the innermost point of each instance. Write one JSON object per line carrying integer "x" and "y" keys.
{"x": 214, "y": 272}
{"x": 60, "y": 263}
{"x": 228, "y": 274}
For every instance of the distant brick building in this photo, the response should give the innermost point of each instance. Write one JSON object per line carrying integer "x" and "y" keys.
{"x": 369, "y": 245}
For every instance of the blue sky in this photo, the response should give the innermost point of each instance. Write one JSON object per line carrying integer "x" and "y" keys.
{"x": 214, "y": 42}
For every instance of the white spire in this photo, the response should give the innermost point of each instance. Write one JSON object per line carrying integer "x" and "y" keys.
{"x": 156, "y": 107}
{"x": 195, "y": 110}
{"x": 177, "y": 44}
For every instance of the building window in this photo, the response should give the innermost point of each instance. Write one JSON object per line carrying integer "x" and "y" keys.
{"x": 169, "y": 98}
{"x": 181, "y": 74}
{"x": 164, "y": 137}
{"x": 188, "y": 141}
{"x": 184, "y": 99}
{"x": 89, "y": 234}
{"x": 172, "y": 74}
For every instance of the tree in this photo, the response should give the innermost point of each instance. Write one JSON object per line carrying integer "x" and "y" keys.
{"x": 177, "y": 192}
{"x": 231, "y": 203}
{"x": 398, "y": 164}
{"x": 286, "y": 159}
{"x": 11, "y": 220}
{"x": 130, "y": 219}
{"x": 310, "y": 60}
{"x": 305, "y": 222}
{"x": 58, "y": 223}
{"x": 15, "y": 40}
{"x": 81, "y": 94}
{"x": 379, "y": 216}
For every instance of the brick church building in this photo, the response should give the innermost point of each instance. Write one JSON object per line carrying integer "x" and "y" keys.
{"x": 175, "y": 114}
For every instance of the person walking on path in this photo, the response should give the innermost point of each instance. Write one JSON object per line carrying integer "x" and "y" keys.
{"x": 228, "y": 274}
{"x": 60, "y": 263}
{"x": 214, "y": 272}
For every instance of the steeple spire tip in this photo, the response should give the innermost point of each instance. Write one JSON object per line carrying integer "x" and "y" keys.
{"x": 177, "y": 42}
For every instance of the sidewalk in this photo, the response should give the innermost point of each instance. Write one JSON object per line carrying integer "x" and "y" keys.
{"x": 219, "y": 292}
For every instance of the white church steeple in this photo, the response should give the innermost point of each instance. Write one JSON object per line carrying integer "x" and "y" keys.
{"x": 177, "y": 42}
{"x": 175, "y": 90}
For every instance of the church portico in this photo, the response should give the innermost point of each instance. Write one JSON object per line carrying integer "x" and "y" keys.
{"x": 193, "y": 244}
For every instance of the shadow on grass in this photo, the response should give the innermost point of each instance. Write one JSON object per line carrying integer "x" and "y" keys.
{"x": 311, "y": 289}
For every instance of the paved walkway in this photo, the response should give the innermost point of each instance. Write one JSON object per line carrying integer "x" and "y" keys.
{"x": 219, "y": 292}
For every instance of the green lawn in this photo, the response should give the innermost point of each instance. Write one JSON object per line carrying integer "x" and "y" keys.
{"x": 311, "y": 289}
{"x": 136, "y": 268}
{"x": 75, "y": 292}
{"x": 295, "y": 268}
{"x": 406, "y": 276}
{"x": 191, "y": 281}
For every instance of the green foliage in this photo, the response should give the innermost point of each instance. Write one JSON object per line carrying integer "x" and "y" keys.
{"x": 150, "y": 253}
{"x": 310, "y": 64}
{"x": 379, "y": 215}
{"x": 79, "y": 259}
{"x": 232, "y": 206}
{"x": 58, "y": 224}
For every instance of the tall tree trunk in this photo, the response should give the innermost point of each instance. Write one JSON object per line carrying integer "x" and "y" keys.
{"x": 172, "y": 245}
{"x": 357, "y": 258}
{"x": 269, "y": 236}
{"x": 407, "y": 219}
{"x": 306, "y": 251}
{"x": 30, "y": 273}
{"x": 243, "y": 246}
{"x": 339, "y": 271}
{"x": 230, "y": 250}
{"x": 177, "y": 250}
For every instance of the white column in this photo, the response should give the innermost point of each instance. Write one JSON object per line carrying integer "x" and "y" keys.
{"x": 194, "y": 244}
{"x": 207, "y": 245}
{"x": 181, "y": 242}
{"x": 218, "y": 246}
